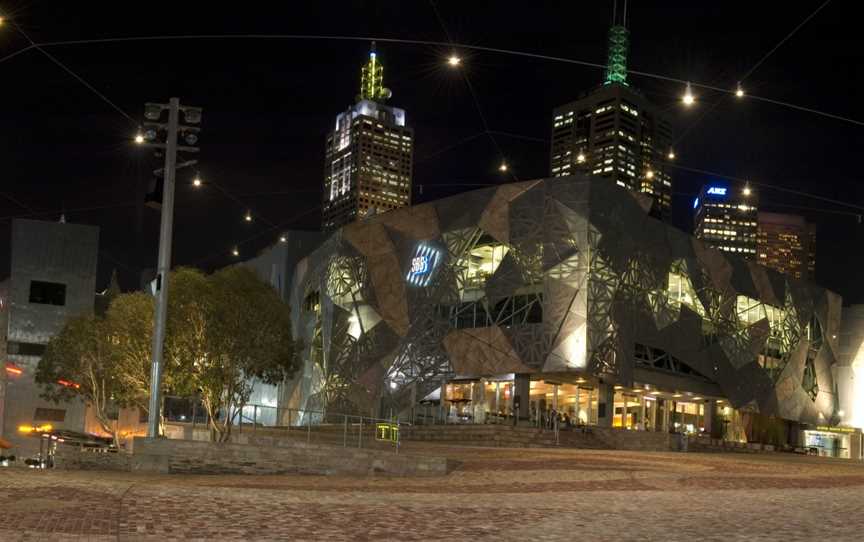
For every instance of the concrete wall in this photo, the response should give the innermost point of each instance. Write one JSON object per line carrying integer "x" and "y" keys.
{"x": 262, "y": 457}
{"x": 72, "y": 458}
{"x": 192, "y": 457}
{"x": 646, "y": 441}
{"x": 50, "y": 252}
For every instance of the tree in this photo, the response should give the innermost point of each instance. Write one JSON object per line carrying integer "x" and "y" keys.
{"x": 130, "y": 319}
{"x": 78, "y": 362}
{"x": 223, "y": 332}
{"x": 248, "y": 336}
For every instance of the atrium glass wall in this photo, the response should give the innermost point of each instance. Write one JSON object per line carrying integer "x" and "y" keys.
{"x": 575, "y": 403}
{"x": 498, "y": 400}
{"x": 827, "y": 444}
{"x": 688, "y": 417}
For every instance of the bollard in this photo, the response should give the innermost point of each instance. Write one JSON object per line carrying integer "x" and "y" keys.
{"x": 254, "y": 418}
{"x": 308, "y": 428}
{"x": 360, "y": 434}
{"x": 345, "y": 432}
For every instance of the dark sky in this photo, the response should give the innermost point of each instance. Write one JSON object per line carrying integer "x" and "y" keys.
{"x": 269, "y": 102}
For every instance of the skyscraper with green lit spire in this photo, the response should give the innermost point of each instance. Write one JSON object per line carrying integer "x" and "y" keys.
{"x": 613, "y": 131}
{"x": 369, "y": 154}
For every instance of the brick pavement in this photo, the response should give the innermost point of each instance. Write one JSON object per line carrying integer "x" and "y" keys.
{"x": 496, "y": 494}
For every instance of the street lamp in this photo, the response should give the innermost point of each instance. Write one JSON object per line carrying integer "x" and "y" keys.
{"x": 454, "y": 61}
{"x": 503, "y": 167}
{"x": 739, "y": 92}
{"x": 170, "y": 146}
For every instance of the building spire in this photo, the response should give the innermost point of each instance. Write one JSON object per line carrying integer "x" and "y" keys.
{"x": 372, "y": 79}
{"x": 619, "y": 47}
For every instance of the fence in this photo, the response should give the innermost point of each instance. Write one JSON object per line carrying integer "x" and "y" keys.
{"x": 314, "y": 426}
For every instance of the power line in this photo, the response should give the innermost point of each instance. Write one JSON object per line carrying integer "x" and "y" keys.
{"x": 448, "y": 147}
{"x": 750, "y": 72}
{"x": 16, "y": 53}
{"x": 766, "y": 185}
{"x": 259, "y": 234}
{"x": 472, "y": 92}
{"x": 720, "y": 175}
{"x": 784, "y": 40}
{"x": 73, "y": 74}
{"x": 464, "y": 46}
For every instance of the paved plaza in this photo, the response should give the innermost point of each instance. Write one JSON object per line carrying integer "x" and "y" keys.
{"x": 495, "y": 494}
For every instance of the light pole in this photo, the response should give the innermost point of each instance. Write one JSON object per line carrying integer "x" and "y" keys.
{"x": 152, "y": 130}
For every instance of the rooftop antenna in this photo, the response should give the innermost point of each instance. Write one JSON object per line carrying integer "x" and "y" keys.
{"x": 619, "y": 46}
{"x": 372, "y": 79}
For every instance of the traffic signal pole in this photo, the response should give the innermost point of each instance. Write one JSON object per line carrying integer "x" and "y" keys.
{"x": 163, "y": 267}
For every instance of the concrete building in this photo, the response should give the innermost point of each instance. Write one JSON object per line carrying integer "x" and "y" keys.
{"x": 725, "y": 218}
{"x": 369, "y": 155}
{"x": 562, "y": 294}
{"x": 276, "y": 265}
{"x": 787, "y": 243}
{"x": 614, "y": 132}
{"x": 52, "y": 278}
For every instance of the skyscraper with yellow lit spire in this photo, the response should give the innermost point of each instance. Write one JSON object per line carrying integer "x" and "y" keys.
{"x": 369, "y": 154}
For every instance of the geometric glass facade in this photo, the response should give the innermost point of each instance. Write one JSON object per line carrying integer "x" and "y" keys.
{"x": 567, "y": 284}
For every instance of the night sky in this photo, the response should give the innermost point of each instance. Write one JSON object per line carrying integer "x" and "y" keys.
{"x": 268, "y": 104}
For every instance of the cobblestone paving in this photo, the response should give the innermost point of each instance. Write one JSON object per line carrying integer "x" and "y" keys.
{"x": 495, "y": 494}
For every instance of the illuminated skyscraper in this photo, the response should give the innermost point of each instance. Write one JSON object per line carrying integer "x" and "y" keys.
{"x": 725, "y": 218}
{"x": 369, "y": 155}
{"x": 787, "y": 243}
{"x": 613, "y": 131}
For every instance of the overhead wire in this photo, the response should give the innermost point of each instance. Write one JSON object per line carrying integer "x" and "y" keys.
{"x": 751, "y": 70}
{"x": 474, "y": 95}
{"x": 465, "y": 46}
{"x": 672, "y": 164}
{"x": 784, "y": 40}
{"x": 68, "y": 70}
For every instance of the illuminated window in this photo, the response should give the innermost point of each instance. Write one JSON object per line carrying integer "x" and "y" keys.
{"x": 681, "y": 292}
{"x": 482, "y": 262}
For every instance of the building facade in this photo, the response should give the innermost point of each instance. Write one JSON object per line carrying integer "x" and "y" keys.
{"x": 369, "y": 155}
{"x": 52, "y": 278}
{"x": 725, "y": 218}
{"x": 559, "y": 293}
{"x": 614, "y": 132}
{"x": 787, "y": 243}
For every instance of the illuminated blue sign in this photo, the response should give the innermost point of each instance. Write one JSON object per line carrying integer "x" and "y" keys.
{"x": 696, "y": 203}
{"x": 717, "y": 190}
{"x": 423, "y": 265}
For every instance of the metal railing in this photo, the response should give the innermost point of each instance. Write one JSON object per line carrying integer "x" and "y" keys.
{"x": 313, "y": 426}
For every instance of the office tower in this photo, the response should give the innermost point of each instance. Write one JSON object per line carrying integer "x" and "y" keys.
{"x": 787, "y": 243}
{"x": 725, "y": 218}
{"x": 369, "y": 155}
{"x": 613, "y": 131}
